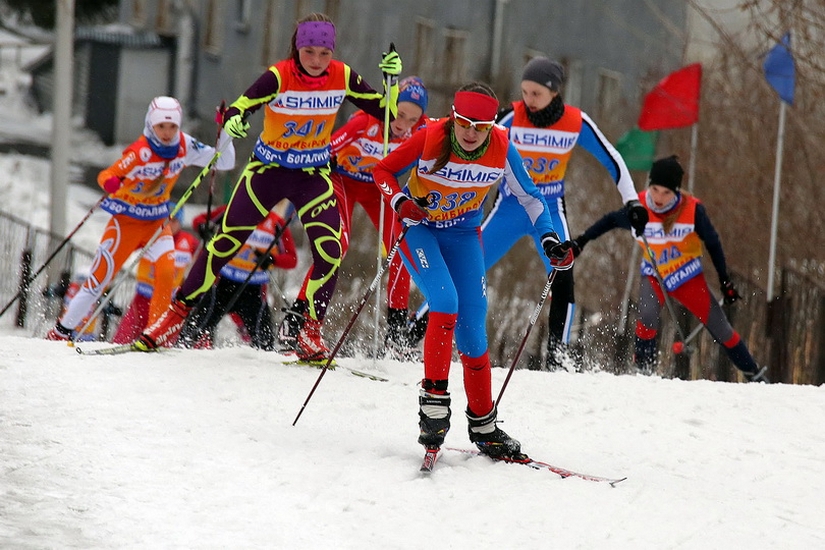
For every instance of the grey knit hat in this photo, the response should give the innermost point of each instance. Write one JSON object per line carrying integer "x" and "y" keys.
{"x": 545, "y": 72}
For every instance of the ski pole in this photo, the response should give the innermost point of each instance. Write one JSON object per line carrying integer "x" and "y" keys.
{"x": 536, "y": 311}
{"x": 211, "y": 193}
{"x": 120, "y": 277}
{"x": 358, "y": 310}
{"x": 680, "y": 346}
{"x": 53, "y": 254}
{"x": 387, "y": 86}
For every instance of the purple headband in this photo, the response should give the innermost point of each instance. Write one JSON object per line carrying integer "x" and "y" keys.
{"x": 315, "y": 33}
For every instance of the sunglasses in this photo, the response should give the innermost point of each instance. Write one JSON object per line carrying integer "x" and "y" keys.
{"x": 477, "y": 125}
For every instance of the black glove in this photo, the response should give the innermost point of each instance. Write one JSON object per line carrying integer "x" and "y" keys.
{"x": 266, "y": 263}
{"x": 560, "y": 253}
{"x": 207, "y": 230}
{"x": 577, "y": 245}
{"x": 729, "y": 293}
{"x": 638, "y": 216}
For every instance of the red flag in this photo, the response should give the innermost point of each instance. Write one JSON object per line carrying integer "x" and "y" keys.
{"x": 674, "y": 102}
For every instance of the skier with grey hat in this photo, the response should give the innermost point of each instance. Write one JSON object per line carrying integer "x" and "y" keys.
{"x": 545, "y": 131}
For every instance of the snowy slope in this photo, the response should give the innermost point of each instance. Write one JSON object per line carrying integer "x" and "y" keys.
{"x": 196, "y": 449}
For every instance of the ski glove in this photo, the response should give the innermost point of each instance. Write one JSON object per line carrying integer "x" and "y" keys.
{"x": 112, "y": 185}
{"x": 638, "y": 216}
{"x": 236, "y": 126}
{"x": 560, "y": 253}
{"x": 729, "y": 292}
{"x": 390, "y": 64}
{"x": 410, "y": 211}
{"x": 577, "y": 245}
{"x": 207, "y": 230}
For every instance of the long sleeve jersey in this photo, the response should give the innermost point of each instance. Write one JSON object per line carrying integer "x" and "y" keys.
{"x": 300, "y": 111}
{"x": 148, "y": 178}
{"x": 456, "y": 192}
{"x": 546, "y": 151}
{"x": 700, "y": 226}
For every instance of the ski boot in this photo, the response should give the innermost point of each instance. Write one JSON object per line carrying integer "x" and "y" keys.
{"x": 434, "y": 413}
{"x": 310, "y": 345}
{"x": 165, "y": 331}
{"x": 291, "y": 326}
{"x": 492, "y": 440}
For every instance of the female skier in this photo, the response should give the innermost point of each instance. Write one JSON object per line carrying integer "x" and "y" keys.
{"x": 458, "y": 160}
{"x": 301, "y": 96}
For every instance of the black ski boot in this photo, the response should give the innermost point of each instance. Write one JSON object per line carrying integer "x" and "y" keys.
{"x": 291, "y": 326}
{"x": 492, "y": 440}
{"x": 434, "y": 413}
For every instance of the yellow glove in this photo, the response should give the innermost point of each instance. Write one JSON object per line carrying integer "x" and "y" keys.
{"x": 391, "y": 63}
{"x": 236, "y": 126}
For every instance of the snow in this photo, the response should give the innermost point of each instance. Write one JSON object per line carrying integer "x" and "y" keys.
{"x": 197, "y": 449}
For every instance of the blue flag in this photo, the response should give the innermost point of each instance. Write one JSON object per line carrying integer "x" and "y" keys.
{"x": 779, "y": 69}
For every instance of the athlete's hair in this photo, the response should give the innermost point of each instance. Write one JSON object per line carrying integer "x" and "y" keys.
{"x": 447, "y": 146}
{"x": 293, "y": 49}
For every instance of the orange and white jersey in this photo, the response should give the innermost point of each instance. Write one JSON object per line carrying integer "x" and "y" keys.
{"x": 359, "y": 145}
{"x": 678, "y": 252}
{"x": 546, "y": 151}
{"x": 148, "y": 178}
{"x": 298, "y": 122}
{"x": 461, "y": 186}
{"x": 455, "y": 193}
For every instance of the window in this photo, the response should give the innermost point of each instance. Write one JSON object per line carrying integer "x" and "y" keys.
{"x": 271, "y": 39}
{"x": 572, "y": 90}
{"x": 453, "y": 61}
{"x": 610, "y": 92}
{"x": 164, "y": 23}
{"x": 302, "y": 9}
{"x": 424, "y": 60}
{"x": 138, "y": 13}
{"x": 331, "y": 9}
{"x": 213, "y": 33}
{"x": 243, "y": 15}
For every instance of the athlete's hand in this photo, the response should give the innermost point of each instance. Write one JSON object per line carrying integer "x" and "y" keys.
{"x": 391, "y": 64}
{"x": 638, "y": 216}
{"x": 236, "y": 126}
{"x": 560, "y": 253}
{"x": 410, "y": 212}
{"x": 112, "y": 185}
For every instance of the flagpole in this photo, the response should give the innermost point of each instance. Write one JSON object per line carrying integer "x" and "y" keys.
{"x": 775, "y": 210}
{"x": 694, "y": 143}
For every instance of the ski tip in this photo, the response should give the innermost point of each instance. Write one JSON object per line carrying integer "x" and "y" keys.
{"x": 614, "y": 482}
{"x": 430, "y": 458}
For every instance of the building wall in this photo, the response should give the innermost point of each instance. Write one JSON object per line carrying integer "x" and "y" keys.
{"x": 609, "y": 47}
{"x": 144, "y": 74}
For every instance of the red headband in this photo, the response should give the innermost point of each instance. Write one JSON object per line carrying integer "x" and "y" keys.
{"x": 475, "y": 106}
